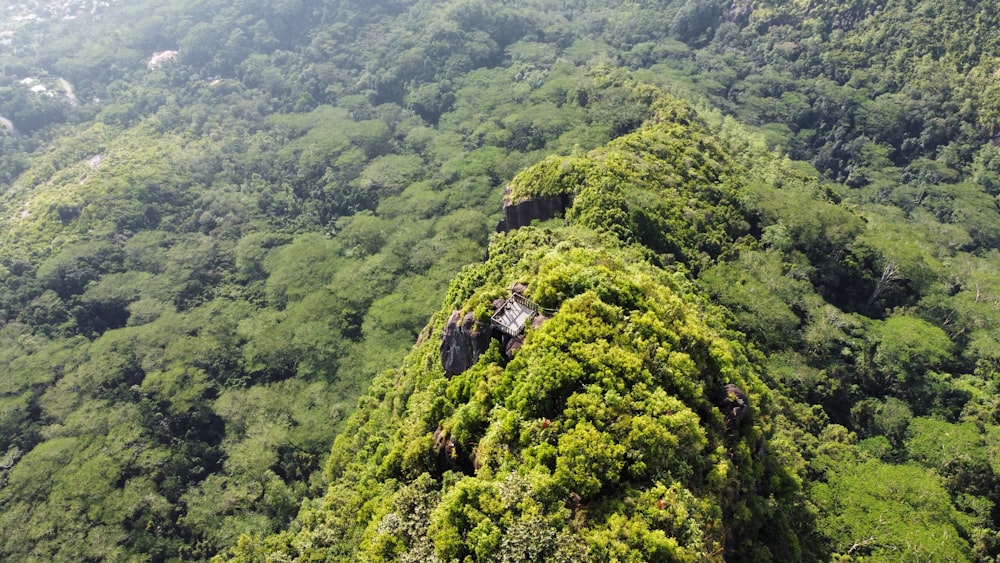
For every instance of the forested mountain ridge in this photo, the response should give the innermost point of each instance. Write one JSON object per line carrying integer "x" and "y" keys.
{"x": 204, "y": 263}
{"x": 618, "y": 429}
{"x": 565, "y": 447}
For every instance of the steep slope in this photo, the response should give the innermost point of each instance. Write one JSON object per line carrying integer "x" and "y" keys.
{"x": 223, "y": 250}
{"x": 203, "y": 264}
{"x": 630, "y": 424}
{"x": 637, "y": 418}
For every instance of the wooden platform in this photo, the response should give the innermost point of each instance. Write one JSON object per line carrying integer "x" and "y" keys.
{"x": 515, "y": 314}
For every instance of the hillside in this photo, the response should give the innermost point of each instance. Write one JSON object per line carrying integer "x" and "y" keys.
{"x": 213, "y": 267}
{"x": 633, "y": 423}
{"x": 607, "y": 432}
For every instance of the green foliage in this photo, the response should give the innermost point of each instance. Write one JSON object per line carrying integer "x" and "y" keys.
{"x": 883, "y": 511}
{"x": 203, "y": 265}
{"x": 765, "y": 296}
{"x": 906, "y": 350}
{"x": 641, "y": 187}
{"x": 957, "y": 452}
{"x": 588, "y": 460}
{"x": 601, "y": 436}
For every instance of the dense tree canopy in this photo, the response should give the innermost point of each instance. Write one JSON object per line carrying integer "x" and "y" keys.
{"x": 213, "y": 262}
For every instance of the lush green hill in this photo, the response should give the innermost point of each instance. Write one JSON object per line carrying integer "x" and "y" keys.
{"x": 611, "y": 434}
{"x": 223, "y": 255}
{"x": 203, "y": 265}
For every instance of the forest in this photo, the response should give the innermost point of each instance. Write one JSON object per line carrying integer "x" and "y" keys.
{"x": 235, "y": 238}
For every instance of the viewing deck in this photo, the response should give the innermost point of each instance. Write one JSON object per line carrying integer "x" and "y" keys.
{"x": 515, "y": 314}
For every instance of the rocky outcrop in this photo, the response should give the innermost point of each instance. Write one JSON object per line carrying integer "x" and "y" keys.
{"x": 734, "y": 404}
{"x": 463, "y": 341}
{"x": 512, "y": 346}
{"x": 739, "y": 12}
{"x": 464, "y": 338}
{"x": 9, "y": 126}
{"x": 451, "y": 456}
{"x": 479, "y": 335}
{"x": 538, "y": 321}
{"x": 521, "y": 213}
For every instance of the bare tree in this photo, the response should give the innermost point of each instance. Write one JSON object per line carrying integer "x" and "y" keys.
{"x": 890, "y": 275}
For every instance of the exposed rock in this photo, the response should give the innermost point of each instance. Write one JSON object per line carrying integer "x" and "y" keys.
{"x": 739, "y": 12}
{"x": 442, "y": 441}
{"x": 8, "y": 125}
{"x": 479, "y": 335}
{"x": 574, "y": 502}
{"x": 513, "y": 346}
{"x": 424, "y": 334}
{"x": 456, "y": 349}
{"x": 450, "y": 456}
{"x": 537, "y": 320}
{"x": 68, "y": 90}
{"x": 159, "y": 58}
{"x": 463, "y": 341}
{"x": 521, "y": 213}
{"x": 468, "y": 323}
{"x": 519, "y": 288}
{"x": 733, "y": 403}
{"x": 444, "y": 448}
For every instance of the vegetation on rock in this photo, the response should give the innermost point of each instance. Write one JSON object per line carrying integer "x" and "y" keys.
{"x": 210, "y": 265}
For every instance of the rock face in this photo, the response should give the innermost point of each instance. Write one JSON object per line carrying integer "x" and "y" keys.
{"x": 9, "y": 125}
{"x": 464, "y": 338}
{"x": 733, "y": 403}
{"x": 450, "y": 456}
{"x": 538, "y": 320}
{"x": 512, "y": 346}
{"x": 463, "y": 341}
{"x": 739, "y": 12}
{"x": 521, "y": 213}
{"x": 479, "y": 335}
